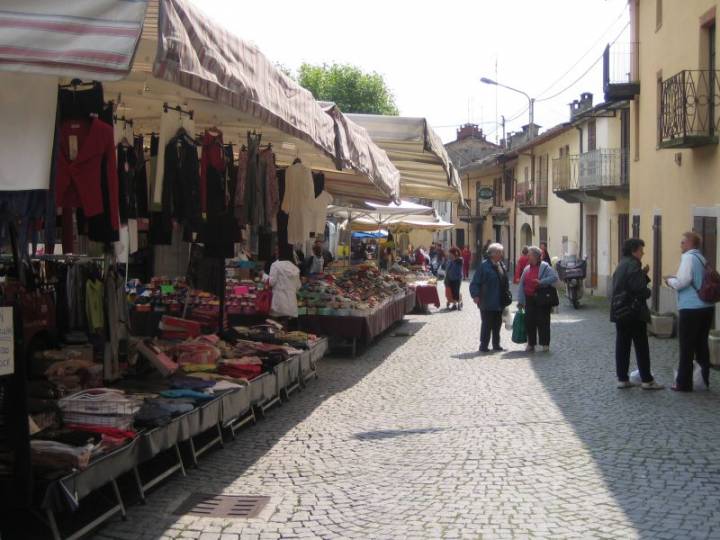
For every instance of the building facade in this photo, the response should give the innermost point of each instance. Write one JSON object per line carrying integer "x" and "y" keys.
{"x": 669, "y": 72}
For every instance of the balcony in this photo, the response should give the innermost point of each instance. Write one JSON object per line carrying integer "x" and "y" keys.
{"x": 532, "y": 196}
{"x": 689, "y": 107}
{"x": 620, "y": 80}
{"x": 600, "y": 174}
{"x": 472, "y": 215}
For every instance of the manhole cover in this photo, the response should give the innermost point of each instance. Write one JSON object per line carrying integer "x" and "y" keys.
{"x": 228, "y": 506}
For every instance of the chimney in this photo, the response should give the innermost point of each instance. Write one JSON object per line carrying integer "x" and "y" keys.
{"x": 579, "y": 106}
{"x": 470, "y": 131}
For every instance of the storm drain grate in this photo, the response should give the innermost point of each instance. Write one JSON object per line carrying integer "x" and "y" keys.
{"x": 227, "y": 506}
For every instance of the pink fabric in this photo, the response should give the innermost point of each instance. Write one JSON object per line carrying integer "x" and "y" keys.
{"x": 531, "y": 278}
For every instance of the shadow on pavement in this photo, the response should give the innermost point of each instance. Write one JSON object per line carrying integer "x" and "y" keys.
{"x": 657, "y": 451}
{"x": 393, "y": 433}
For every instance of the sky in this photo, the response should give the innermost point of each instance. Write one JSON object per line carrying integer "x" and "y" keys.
{"x": 432, "y": 54}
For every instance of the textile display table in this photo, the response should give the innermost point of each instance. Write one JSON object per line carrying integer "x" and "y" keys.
{"x": 229, "y": 409}
{"x": 362, "y": 328}
{"x": 427, "y": 295}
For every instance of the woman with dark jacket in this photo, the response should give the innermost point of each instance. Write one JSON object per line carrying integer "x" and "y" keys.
{"x": 630, "y": 313}
{"x": 537, "y": 274}
{"x": 490, "y": 290}
{"x": 453, "y": 279}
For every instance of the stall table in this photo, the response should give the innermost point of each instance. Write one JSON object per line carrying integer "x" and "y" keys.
{"x": 426, "y": 295}
{"x": 363, "y": 328}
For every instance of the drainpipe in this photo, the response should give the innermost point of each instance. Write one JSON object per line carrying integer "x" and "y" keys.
{"x": 582, "y": 205}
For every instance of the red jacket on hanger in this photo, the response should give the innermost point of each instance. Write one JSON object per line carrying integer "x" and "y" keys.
{"x": 79, "y": 180}
{"x": 213, "y": 154}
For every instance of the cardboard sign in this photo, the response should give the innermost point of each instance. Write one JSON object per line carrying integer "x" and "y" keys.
{"x": 7, "y": 342}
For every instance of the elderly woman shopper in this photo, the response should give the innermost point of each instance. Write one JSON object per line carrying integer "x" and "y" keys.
{"x": 630, "y": 313}
{"x": 537, "y": 274}
{"x": 695, "y": 316}
{"x": 490, "y": 290}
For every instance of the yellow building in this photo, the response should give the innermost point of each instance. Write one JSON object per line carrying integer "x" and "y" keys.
{"x": 669, "y": 71}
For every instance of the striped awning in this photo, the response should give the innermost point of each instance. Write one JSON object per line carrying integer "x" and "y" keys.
{"x": 91, "y": 39}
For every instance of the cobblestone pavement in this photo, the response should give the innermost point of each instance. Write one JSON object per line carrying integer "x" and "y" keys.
{"x": 422, "y": 438}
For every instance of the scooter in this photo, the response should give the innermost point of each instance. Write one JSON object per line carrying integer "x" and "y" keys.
{"x": 573, "y": 273}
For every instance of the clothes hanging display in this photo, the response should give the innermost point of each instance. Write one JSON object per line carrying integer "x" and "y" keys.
{"x": 85, "y": 157}
{"x": 141, "y": 178}
{"x": 298, "y": 202}
{"x": 94, "y": 305}
{"x": 181, "y": 182}
{"x": 320, "y": 205}
{"x": 170, "y": 122}
{"x": 28, "y": 106}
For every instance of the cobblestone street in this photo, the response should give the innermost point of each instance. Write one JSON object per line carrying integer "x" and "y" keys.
{"x": 421, "y": 437}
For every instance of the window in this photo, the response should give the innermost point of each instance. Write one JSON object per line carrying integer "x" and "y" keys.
{"x": 659, "y": 106}
{"x": 497, "y": 191}
{"x": 543, "y": 235}
{"x": 527, "y": 174}
{"x": 636, "y": 226}
{"x": 509, "y": 174}
{"x": 592, "y": 135}
{"x": 623, "y": 232}
{"x": 658, "y": 14}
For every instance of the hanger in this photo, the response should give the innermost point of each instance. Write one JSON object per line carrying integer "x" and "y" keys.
{"x": 296, "y": 161}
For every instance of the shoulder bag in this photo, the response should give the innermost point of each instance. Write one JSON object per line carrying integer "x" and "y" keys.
{"x": 506, "y": 297}
{"x": 546, "y": 296}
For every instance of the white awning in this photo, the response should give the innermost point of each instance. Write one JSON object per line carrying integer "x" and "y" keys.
{"x": 417, "y": 151}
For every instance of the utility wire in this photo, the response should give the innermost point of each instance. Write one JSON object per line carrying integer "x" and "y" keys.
{"x": 588, "y": 51}
{"x": 568, "y": 87}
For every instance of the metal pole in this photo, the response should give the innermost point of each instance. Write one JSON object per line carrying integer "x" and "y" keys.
{"x": 532, "y": 118}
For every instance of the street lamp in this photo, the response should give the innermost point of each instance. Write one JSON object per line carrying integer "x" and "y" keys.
{"x": 531, "y": 101}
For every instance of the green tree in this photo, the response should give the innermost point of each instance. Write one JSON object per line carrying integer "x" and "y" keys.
{"x": 350, "y": 88}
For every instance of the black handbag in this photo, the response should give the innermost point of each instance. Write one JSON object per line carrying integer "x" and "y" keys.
{"x": 506, "y": 297}
{"x": 547, "y": 296}
{"x": 625, "y": 307}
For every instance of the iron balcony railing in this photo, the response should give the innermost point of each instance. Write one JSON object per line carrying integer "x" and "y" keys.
{"x": 604, "y": 167}
{"x": 532, "y": 193}
{"x": 620, "y": 71}
{"x": 689, "y": 109}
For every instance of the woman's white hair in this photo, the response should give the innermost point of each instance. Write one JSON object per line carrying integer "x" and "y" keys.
{"x": 494, "y": 248}
{"x": 535, "y": 251}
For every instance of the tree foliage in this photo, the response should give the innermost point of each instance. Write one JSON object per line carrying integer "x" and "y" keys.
{"x": 350, "y": 88}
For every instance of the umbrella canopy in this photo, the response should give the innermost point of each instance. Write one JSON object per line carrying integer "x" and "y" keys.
{"x": 379, "y": 215}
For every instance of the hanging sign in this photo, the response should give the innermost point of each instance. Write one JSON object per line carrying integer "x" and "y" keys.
{"x": 7, "y": 342}
{"x": 486, "y": 193}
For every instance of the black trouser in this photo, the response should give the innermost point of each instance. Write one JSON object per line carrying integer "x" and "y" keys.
{"x": 537, "y": 323}
{"x": 454, "y": 286}
{"x": 693, "y": 329}
{"x": 491, "y": 322}
{"x": 629, "y": 333}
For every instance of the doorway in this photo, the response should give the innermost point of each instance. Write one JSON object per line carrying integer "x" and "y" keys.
{"x": 460, "y": 238}
{"x": 591, "y": 222}
{"x": 706, "y": 227}
{"x": 526, "y": 235}
{"x": 657, "y": 262}
{"x": 623, "y": 232}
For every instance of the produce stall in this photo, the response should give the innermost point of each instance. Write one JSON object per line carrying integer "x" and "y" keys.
{"x": 357, "y": 304}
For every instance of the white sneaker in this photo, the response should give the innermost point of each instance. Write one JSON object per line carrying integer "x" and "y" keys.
{"x": 625, "y": 384}
{"x": 652, "y": 385}
{"x": 544, "y": 348}
{"x": 529, "y": 348}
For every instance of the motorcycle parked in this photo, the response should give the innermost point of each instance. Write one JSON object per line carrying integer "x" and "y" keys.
{"x": 573, "y": 272}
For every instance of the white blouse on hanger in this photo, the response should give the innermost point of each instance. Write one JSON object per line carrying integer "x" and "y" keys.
{"x": 299, "y": 202}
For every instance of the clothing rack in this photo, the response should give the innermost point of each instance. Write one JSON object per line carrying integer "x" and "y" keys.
{"x": 179, "y": 109}
{"x": 77, "y": 82}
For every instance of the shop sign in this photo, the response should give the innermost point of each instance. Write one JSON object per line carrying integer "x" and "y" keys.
{"x": 7, "y": 342}
{"x": 486, "y": 193}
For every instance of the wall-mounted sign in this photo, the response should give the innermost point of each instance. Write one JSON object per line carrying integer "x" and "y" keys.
{"x": 7, "y": 342}
{"x": 486, "y": 193}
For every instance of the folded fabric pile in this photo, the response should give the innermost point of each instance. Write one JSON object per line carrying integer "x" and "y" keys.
{"x": 59, "y": 456}
{"x": 73, "y": 374}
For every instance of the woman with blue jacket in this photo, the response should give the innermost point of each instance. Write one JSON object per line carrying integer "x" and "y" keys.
{"x": 695, "y": 316}
{"x": 490, "y": 290}
{"x": 537, "y": 274}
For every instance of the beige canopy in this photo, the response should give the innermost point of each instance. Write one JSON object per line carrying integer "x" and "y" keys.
{"x": 417, "y": 151}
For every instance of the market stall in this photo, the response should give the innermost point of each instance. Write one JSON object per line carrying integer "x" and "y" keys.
{"x": 157, "y": 155}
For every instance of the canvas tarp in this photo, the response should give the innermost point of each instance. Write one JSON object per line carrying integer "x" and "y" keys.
{"x": 92, "y": 39}
{"x": 418, "y": 153}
